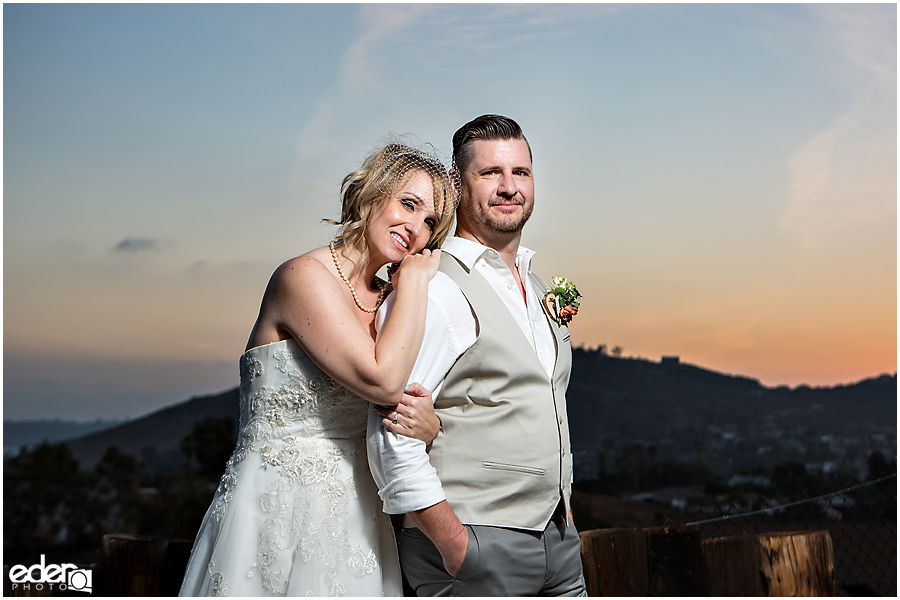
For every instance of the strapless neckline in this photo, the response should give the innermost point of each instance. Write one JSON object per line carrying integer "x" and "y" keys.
{"x": 286, "y": 342}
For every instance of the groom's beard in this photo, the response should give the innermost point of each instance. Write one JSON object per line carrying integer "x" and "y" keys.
{"x": 503, "y": 224}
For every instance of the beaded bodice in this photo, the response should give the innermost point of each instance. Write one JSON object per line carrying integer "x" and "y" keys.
{"x": 301, "y": 444}
{"x": 284, "y": 393}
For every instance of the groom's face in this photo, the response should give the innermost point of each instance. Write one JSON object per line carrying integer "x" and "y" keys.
{"x": 497, "y": 188}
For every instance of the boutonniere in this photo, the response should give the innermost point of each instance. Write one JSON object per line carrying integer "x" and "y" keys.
{"x": 561, "y": 300}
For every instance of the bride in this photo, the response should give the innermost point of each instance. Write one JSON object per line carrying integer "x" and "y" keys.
{"x": 296, "y": 512}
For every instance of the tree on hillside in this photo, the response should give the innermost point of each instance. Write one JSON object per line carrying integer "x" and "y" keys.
{"x": 45, "y": 503}
{"x": 116, "y": 480}
{"x": 182, "y": 498}
{"x": 209, "y": 445}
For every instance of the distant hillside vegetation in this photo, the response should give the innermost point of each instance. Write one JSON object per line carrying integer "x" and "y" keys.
{"x": 732, "y": 423}
{"x": 646, "y": 400}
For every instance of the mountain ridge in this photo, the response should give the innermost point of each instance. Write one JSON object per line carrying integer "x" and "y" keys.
{"x": 156, "y": 438}
{"x": 612, "y": 402}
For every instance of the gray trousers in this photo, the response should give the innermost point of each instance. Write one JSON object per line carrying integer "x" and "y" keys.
{"x": 499, "y": 562}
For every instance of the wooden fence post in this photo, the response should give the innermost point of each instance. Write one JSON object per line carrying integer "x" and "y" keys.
{"x": 659, "y": 561}
{"x": 178, "y": 553}
{"x": 615, "y": 562}
{"x": 142, "y": 566}
{"x": 676, "y": 565}
{"x": 772, "y": 564}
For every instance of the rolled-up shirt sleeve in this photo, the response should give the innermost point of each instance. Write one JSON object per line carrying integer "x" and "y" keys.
{"x": 405, "y": 478}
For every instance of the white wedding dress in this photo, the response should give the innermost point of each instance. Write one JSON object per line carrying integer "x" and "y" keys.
{"x": 296, "y": 512}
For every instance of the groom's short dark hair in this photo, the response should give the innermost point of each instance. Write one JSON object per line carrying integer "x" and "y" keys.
{"x": 485, "y": 127}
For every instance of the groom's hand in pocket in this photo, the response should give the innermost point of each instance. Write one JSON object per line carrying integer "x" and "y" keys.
{"x": 414, "y": 416}
{"x": 449, "y": 536}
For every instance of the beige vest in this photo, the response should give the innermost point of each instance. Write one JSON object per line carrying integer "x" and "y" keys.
{"x": 503, "y": 452}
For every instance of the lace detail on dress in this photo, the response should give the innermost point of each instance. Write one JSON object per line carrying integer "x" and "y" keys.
{"x": 284, "y": 356}
{"x": 307, "y": 469}
{"x": 308, "y": 472}
{"x": 217, "y": 585}
{"x": 323, "y": 405}
{"x": 362, "y": 562}
{"x": 298, "y": 482}
{"x": 250, "y": 370}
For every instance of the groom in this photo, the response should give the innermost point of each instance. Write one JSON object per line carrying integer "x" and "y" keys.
{"x": 487, "y": 504}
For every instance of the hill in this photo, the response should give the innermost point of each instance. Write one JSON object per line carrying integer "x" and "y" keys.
{"x": 733, "y": 423}
{"x": 682, "y": 411}
{"x": 25, "y": 433}
{"x": 646, "y": 399}
{"x": 155, "y": 439}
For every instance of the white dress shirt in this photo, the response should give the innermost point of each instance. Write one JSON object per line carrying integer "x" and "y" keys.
{"x": 406, "y": 480}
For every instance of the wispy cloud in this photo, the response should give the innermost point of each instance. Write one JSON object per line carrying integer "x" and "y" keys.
{"x": 867, "y": 36}
{"x": 402, "y": 46}
{"x": 134, "y": 245}
{"x": 846, "y": 175}
{"x": 362, "y": 71}
{"x": 362, "y": 76}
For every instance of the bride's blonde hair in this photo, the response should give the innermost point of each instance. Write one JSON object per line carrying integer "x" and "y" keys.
{"x": 365, "y": 192}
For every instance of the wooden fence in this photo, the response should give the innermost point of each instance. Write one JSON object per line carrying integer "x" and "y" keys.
{"x": 674, "y": 561}
{"x": 659, "y": 561}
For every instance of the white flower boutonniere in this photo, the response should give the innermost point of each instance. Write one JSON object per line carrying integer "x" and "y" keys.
{"x": 561, "y": 300}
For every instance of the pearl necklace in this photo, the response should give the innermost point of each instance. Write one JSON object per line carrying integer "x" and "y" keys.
{"x": 340, "y": 271}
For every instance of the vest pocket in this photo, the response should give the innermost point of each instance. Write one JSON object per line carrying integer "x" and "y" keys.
{"x": 514, "y": 468}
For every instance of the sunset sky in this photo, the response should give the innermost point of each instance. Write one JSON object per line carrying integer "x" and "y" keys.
{"x": 718, "y": 180}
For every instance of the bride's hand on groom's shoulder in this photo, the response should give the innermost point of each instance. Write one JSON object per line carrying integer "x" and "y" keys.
{"x": 414, "y": 416}
{"x": 425, "y": 265}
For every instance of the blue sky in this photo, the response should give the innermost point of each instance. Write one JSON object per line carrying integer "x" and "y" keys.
{"x": 719, "y": 180}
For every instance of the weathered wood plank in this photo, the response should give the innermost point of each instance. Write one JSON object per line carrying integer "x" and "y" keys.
{"x": 615, "y": 562}
{"x": 772, "y": 564}
{"x": 133, "y": 565}
{"x": 676, "y": 565}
